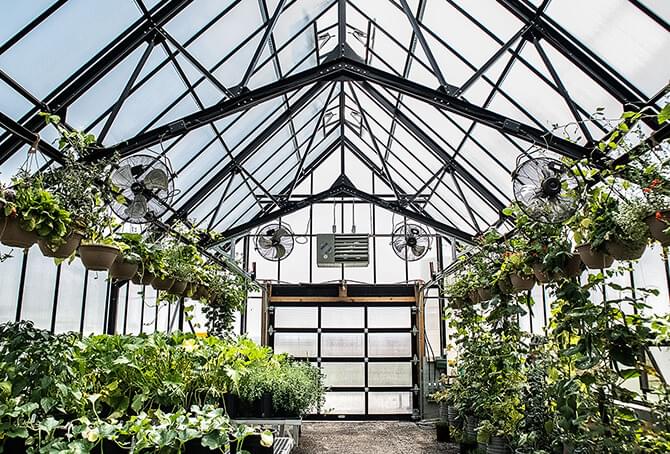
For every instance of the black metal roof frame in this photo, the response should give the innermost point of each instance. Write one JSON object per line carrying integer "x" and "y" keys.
{"x": 347, "y": 80}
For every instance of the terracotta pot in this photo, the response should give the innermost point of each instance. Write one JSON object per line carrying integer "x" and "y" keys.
{"x": 203, "y": 292}
{"x": 122, "y": 270}
{"x": 573, "y": 266}
{"x": 473, "y": 295}
{"x": 65, "y": 250}
{"x": 98, "y": 257}
{"x": 14, "y": 236}
{"x": 178, "y": 288}
{"x": 191, "y": 290}
{"x": 456, "y": 303}
{"x": 541, "y": 275}
{"x": 622, "y": 251}
{"x": 522, "y": 283}
{"x": 485, "y": 293}
{"x": 142, "y": 279}
{"x": 160, "y": 283}
{"x": 505, "y": 286}
{"x": 594, "y": 259}
{"x": 657, "y": 227}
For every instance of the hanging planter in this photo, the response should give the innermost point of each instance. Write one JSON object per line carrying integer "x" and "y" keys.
{"x": 202, "y": 292}
{"x": 573, "y": 267}
{"x": 595, "y": 260}
{"x": 162, "y": 283}
{"x": 178, "y": 288}
{"x": 622, "y": 251}
{"x": 485, "y": 293}
{"x": 122, "y": 270}
{"x": 522, "y": 283}
{"x": 505, "y": 285}
{"x": 473, "y": 296}
{"x": 98, "y": 257}
{"x": 658, "y": 223}
{"x": 13, "y": 235}
{"x": 539, "y": 273}
{"x": 190, "y": 291}
{"x": 143, "y": 279}
{"x": 63, "y": 251}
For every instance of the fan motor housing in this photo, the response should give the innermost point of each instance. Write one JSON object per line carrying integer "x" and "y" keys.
{"x": 334, "y": 250}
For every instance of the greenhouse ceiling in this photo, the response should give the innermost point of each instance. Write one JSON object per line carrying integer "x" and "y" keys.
{"x": 438, "y": 99}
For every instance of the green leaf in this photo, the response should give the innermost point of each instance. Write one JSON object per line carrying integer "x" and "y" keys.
{"x": 664, "y": 114}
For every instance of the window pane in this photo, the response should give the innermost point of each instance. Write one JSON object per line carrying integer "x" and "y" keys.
{"x": 295, "y": 317}
{"x": 344, "y": 374}
{"x": 296, "y": 344}
{"x": 344, "y": 403}
{"x": 10, "y": 274}
{"x": 342, "y": 317}
{"x": 389, "y": 344}
{"x": 345, "y": 344}
{"x": 70, "y": 297}
{"x": 38, "y": 293}
{"x": 389, "y": 317}
{"x": 390, "y": 403}
{"x": 390, "y": 374}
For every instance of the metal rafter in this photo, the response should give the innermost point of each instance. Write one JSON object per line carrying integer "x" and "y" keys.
{"x": 96, "y": 68}
{"x": 261, "y": 45}
{"x": 343, "y": 188}
{"x": 344, "y": 68}
{"x": 585, "y": 59}
{"x": 277, "y": 124}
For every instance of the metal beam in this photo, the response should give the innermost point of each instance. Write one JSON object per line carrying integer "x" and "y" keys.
{"x": 277, "y": 124}
{"x": 261, "y": 45}
{"x": 217, "y": 111}
{"x": 96, "y": 68}
{"x": 344, "y": 68}
{"x": 437, "y": 72}
{"x": 24, "y": 135}
{"x": 126, "y": 90}
{"x": 344, "y": 188}
{"x": 429, "y": 142}
{"x": 595, "y": 67}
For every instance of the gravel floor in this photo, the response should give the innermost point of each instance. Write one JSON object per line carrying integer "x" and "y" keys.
{"x": 383, "y": 437}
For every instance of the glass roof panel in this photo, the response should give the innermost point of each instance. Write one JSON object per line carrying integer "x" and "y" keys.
{"x": 66, "y": 40}
{"x": 623, "y": 36}
{"x": 222, "y": 37}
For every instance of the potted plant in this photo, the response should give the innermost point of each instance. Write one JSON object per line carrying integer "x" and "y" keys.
{"x": 127, "y": 263}
{"x": 98, "y": 251}
{"x": 631, "y": 233}
{"x": 593, "y": 226}
{"x": 516, "y": 268}
{"x": 32, "y": 213}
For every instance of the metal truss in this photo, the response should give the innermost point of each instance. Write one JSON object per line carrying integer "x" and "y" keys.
{"x": 342, "y": 69}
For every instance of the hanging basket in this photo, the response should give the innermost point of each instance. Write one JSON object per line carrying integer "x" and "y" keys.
{"x": 98, "y": 257}
{"x": 594, "y": 260}
{"x": 14, "y": 236}
{"x": 622, "y": 251}
{"x": 143, "y": 279}
{"x": 657, "y": 226}
{"x": 573, "y": 267}
{"x": 485, "y": 293}
{"x": 542, "y": 276}
{"x": 63, "y": 251}
{"x": 522, "y": 283}
{"x": 162, "y": 283}
{"x": 178, "y": 288}
{"x": 122, "y": 270}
